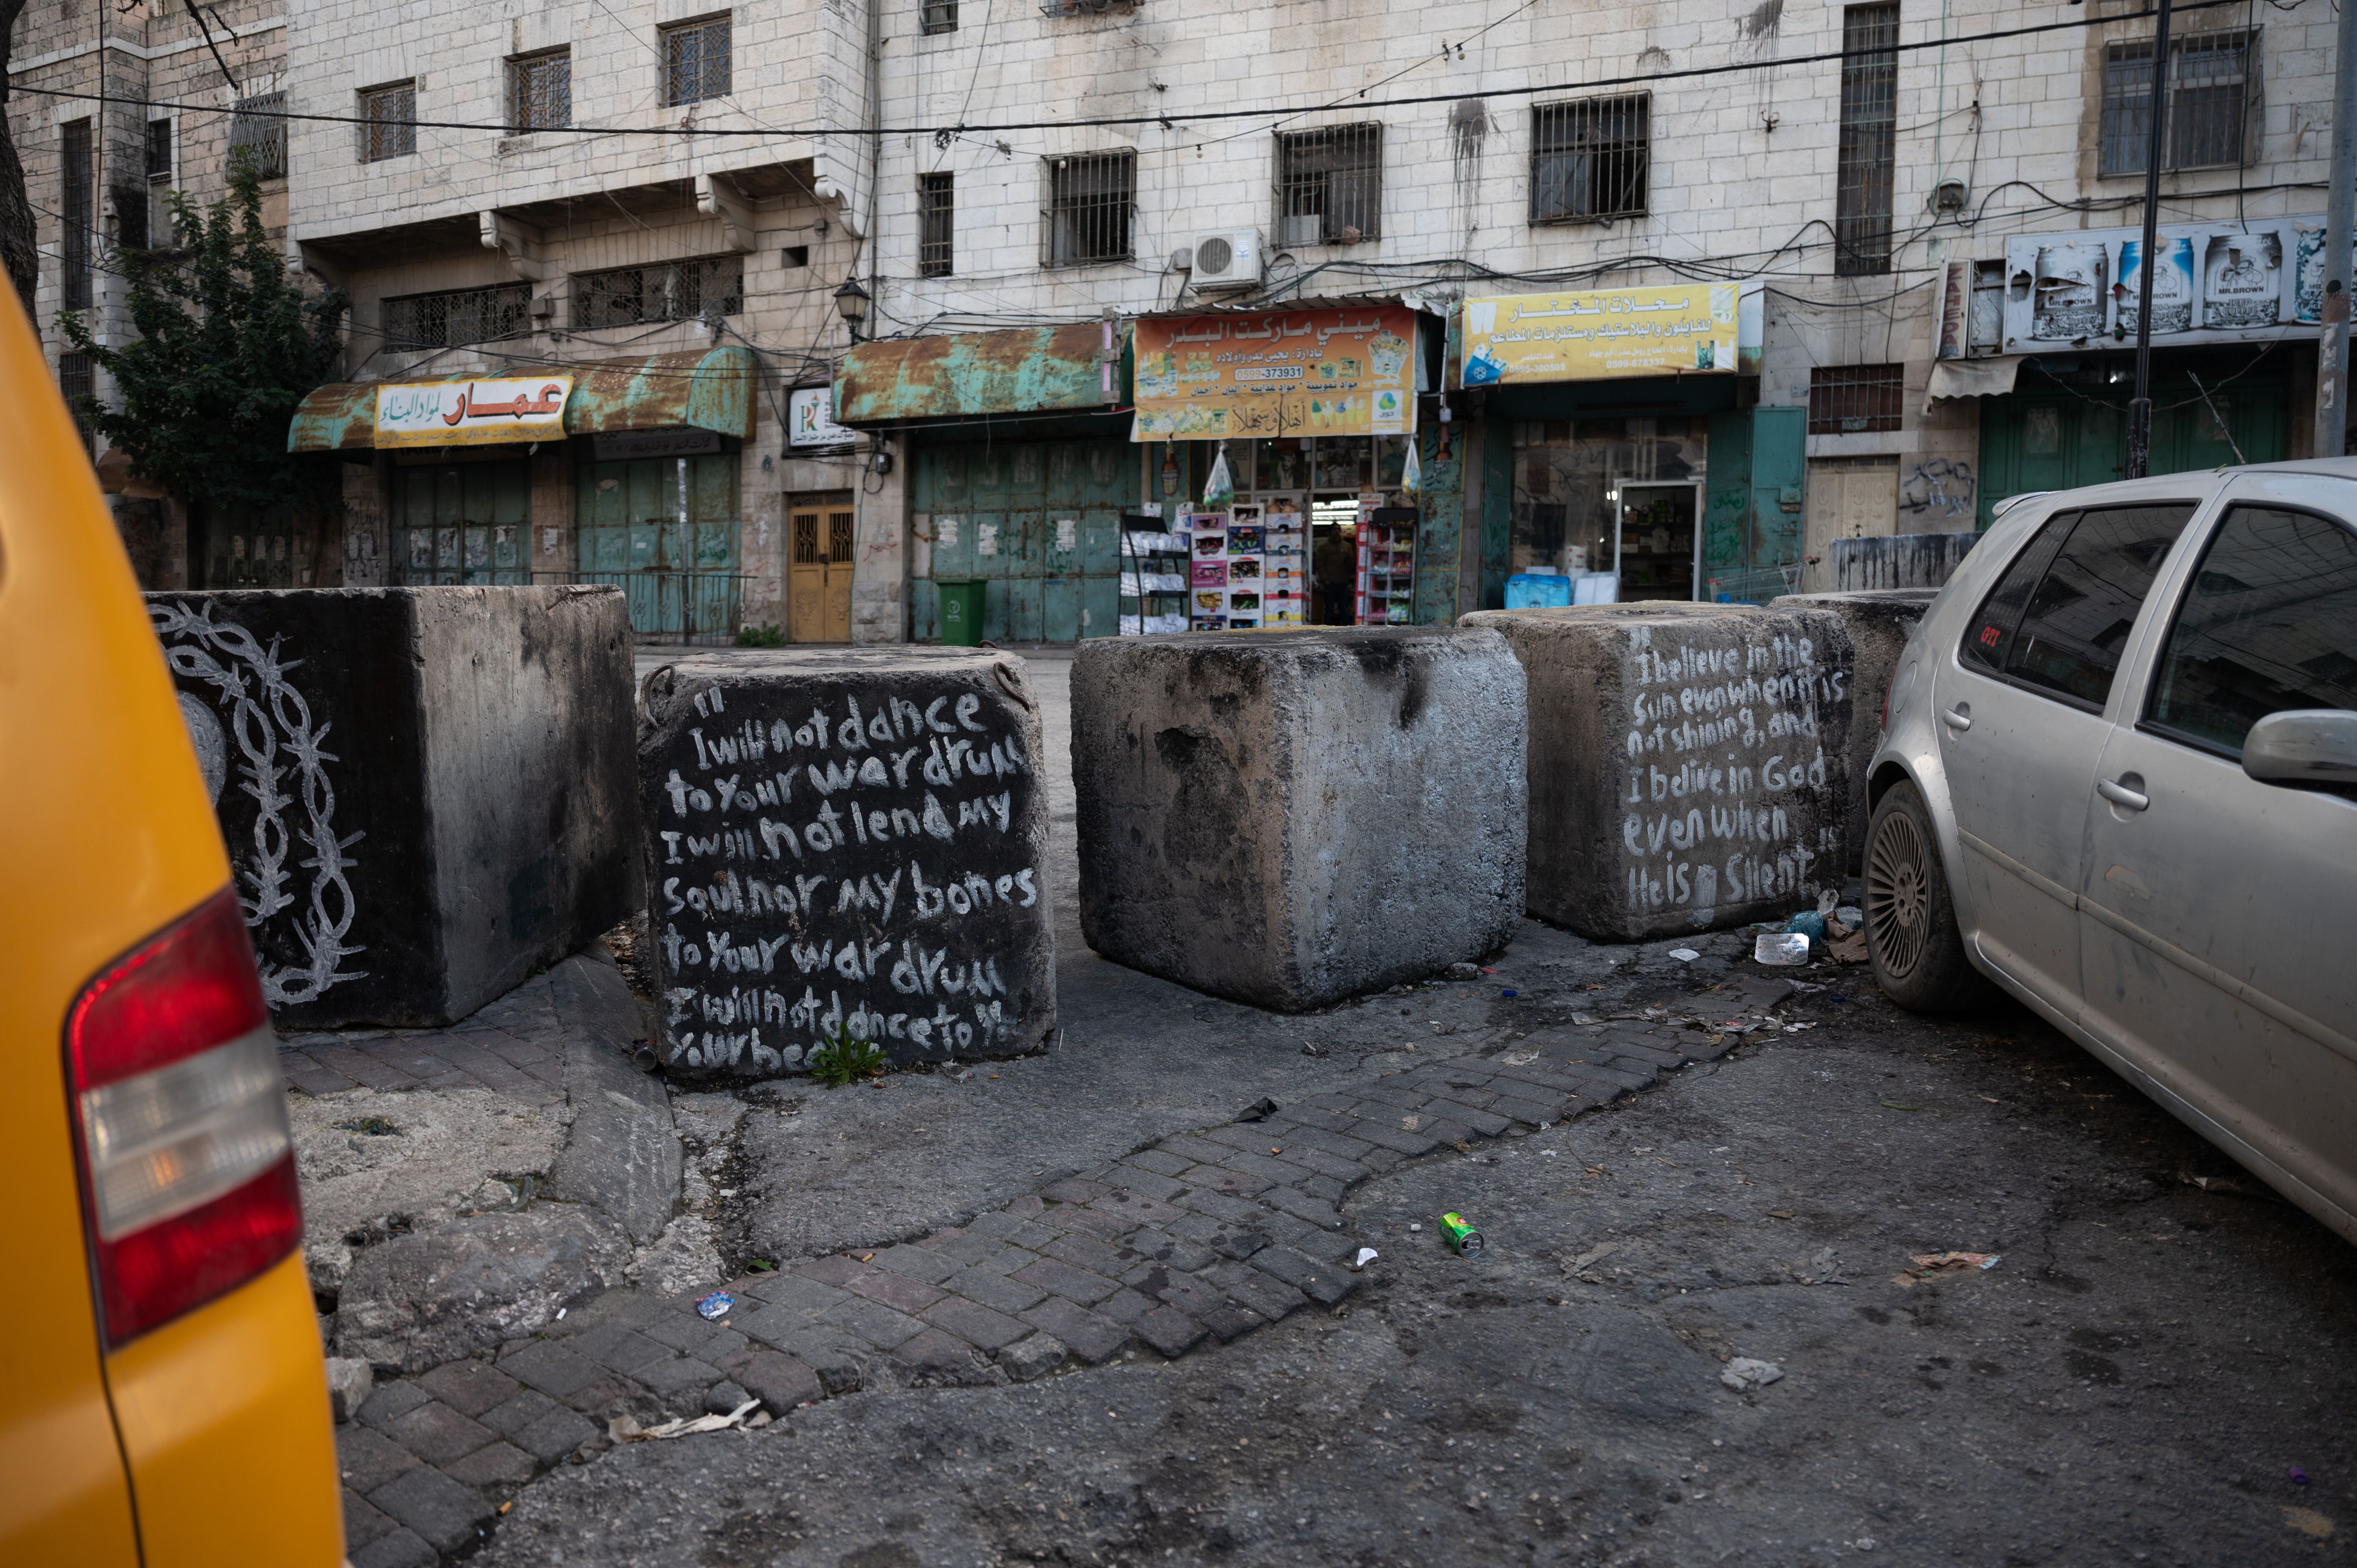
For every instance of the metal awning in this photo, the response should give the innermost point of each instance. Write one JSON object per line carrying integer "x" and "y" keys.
{"x": 1026, "y": 370}
{"x": 702, "y": 389}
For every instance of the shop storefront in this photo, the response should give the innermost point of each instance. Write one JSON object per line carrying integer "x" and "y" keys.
{"x": 624, "y": 471}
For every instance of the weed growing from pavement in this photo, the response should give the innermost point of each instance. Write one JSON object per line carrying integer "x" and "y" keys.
{"x": 842, "y": 1060}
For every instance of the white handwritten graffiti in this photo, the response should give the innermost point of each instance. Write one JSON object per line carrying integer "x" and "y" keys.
{"x": 1941, "y": 487}
{"x": 267, "y": 717}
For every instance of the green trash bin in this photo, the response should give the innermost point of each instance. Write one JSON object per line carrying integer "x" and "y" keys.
{"x": 961, "y": 611}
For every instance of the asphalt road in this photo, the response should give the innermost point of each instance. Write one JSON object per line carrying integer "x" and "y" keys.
{"x": 2159, "y": 1368}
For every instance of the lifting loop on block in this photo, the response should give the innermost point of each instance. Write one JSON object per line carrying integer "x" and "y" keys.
{"x": 1009, "y": 684}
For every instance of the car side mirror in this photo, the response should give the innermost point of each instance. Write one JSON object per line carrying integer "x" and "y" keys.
{"x": 2305, "y": 745}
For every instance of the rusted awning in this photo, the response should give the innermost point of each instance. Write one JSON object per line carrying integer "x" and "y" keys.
{"x": 701, "y": 389}
{"x": 1031, "y": 370}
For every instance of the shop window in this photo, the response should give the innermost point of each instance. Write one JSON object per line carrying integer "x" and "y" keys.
{"x": 1590, "y": 161}
{"x": 2209, "y": 94}
{"x": 76, "y": 381}
{"x": 540, "y": 91}
{"x": 258, "y": 129}
{"x": 390, "y": 114}
{"x": 936, "y": 224}
{"x": 1329, "y": 186}
{"x": 77, "y": 212}
{"x": 666, "y": 291}
{"x": 463, "y": 316}
{"x": 1851, "y": 400}
{"x": 1088, "y": 203}
{"x": 695, "y": 61}
{"x": 1867, "y": 160}
{"x": 941, "y": 16}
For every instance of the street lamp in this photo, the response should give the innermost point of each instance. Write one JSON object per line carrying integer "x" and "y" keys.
{"x": 852, "y": 301}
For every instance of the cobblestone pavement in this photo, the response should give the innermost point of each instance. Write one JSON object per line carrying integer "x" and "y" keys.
{"x": 1199, "y": 1239}
{"x": 509, "y": 1045}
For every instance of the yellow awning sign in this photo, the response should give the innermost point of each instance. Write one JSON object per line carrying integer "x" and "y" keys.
{"x": 471, "y": 413}
{"x": 1317, "y": 372}
{"x": 1598, "y": 334}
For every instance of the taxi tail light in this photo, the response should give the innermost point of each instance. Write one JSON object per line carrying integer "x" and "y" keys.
{"x": 187, "y": 1166}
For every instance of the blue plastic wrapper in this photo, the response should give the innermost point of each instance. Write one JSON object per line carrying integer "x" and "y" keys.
{"x": 717, "y": 1305}
{"x": 1808, "y": 923}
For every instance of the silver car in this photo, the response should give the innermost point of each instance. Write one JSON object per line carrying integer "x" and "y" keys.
{"x": 2118, "y": 778}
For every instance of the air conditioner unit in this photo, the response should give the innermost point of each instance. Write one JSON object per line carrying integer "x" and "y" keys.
{"x": 1231, "y": 258}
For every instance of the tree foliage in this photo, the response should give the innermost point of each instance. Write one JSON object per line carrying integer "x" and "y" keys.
{"x": 228, "y": 343}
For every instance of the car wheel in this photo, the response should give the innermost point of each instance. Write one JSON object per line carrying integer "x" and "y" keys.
{"x": 1911, "y": 925}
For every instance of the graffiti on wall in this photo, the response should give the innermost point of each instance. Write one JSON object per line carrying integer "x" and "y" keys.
{"x": 1941, "y": 488}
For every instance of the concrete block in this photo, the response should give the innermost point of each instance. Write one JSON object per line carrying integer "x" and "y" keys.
{"x": 1879, "y": 624}
{"x": 850, "y": 840}
{"x": 427, "y": 792}
{"x": 1291, "y": 818}
{"x": 1688, "y": 763}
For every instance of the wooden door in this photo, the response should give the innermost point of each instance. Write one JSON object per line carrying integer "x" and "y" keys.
{"x": 818, "y": 591}
{"x": 1845, "y": 503}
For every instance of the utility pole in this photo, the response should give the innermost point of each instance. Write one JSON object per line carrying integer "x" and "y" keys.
{"x": 2340, "y": 218}
{"x": 2140, "y": 408}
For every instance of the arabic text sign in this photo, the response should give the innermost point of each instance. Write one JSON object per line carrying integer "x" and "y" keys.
{"x": 1291, "y": 372}
{"x": 471, "y": 413}
{"x": 1595, "y": 334}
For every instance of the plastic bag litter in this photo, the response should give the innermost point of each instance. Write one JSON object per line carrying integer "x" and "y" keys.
{"x": 1780, "y": 948}
{"x": 1685, "y": 955}
{"x": 1219, "y": 490}
{"x": 625, "y": 1429}
{"x": 1411, "y": 472}
{"x": 1927, "y": 1265}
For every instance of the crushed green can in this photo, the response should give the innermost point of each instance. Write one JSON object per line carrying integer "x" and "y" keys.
{"x": 1463, "y": 1239}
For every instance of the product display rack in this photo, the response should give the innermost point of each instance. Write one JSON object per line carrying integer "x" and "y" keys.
{"x": 1386, "y": 566}
{"x": 1154, "y": 592}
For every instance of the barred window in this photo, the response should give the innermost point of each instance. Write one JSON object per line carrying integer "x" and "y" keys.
{"x": 540, "y": 91}
{"x": 1089, "y": 202}
{"x": 1330, "y": 185}
{"x": 463, "y": 316}
{"x": 1590, "y": 160}
{"x": 389, "y": 116}
{"x": 695, "y": 61}
{"x": 936, "y": 224}
{"x": 1850, "y": 400}
{"x": 77, "y": 211}
{"x": 663, "y": 291}
{"x": 259, "y": 129}
{"x": 1868, "y": 160}
{"x": 159, "y": 149}
{"x": 2209, "y": 94}
{"x": 941, "y": 16}
{"x": 76, "y": 381}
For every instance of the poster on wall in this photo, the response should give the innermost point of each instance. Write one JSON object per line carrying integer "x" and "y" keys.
{"x": 1598, "y": 334}
{"x": 1349, "y": 372}
{"x": 471, "y": 413}
{"x": 2216, "y": 283}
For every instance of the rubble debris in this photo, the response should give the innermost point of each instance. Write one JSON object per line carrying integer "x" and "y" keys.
{"x": 1746, "y": 1373}
{"x": 1928, "y": 1265}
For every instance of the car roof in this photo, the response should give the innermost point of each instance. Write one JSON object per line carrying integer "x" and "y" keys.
{"x": 2200, "y": 482}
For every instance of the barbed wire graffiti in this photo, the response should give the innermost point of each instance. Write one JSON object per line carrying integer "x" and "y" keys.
{"x": 268, "y": 716}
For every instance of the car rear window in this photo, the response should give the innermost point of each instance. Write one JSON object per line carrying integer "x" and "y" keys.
{"x": 2268, "y": 625}
{"x": 2059, "y": 617}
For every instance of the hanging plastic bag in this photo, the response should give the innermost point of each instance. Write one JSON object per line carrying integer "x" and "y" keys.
{"x": 1219, "y": 490}
{"x": 1411, "y": 472}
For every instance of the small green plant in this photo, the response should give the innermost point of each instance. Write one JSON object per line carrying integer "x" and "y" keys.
{"x": 843, "y": 1060}
{"x": 761, "y": 1266}
{"x": 762, "y": 636}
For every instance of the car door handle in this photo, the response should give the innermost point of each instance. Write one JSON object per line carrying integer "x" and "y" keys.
{"x": 1958, "y": 718}
{"x": 2119, "y": 794}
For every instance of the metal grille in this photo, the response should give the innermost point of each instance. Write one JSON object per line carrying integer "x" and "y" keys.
{"x": 159, "y": 149}
{"x": 941, "y": 16}
{"x": 2208, "y": 103}
{"x": 1088, "y": 201}
{"x": 839, "y": 536}
{"x": 1591, "y": 160}
{"x": 391, "y": 128}
{"x": 77, "y": 382}
{"x": 806, "y": 538}
{"x": 75, "y": 205}
{"x": 1330, "y": 185}
{"x": 936, "y": 224}
{"x": 259, "y": 129}
{"x": 540, "y": 91}
{"x": 695, "y": 61}
{"x": 668, "y": 291}
{"x": 1850, "y": 400}
{"x": 1869, "y": 129}
{"x": 466, "y": 316}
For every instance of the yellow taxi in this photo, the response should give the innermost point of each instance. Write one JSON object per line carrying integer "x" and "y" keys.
{"x": 163, "y": 1397}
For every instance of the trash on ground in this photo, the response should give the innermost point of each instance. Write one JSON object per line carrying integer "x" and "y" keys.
{"x": 1849, "y": 949}
{"x": 715, "y": 1305}
{"x": 2298, "y": 1477}
{"x": 1780, "y": 948}
{"x": 1808, "y": 924}
{"x": 1412, "y": 1226}
{"x": 1310, "y": 1049}
{"x": 642, "y": 1056}
{"x": 1929, "y": 1266}
{"x": 1463, "y": 1239}
{"x": 1685, "y": 955}
{"x": 1747, "y": 1372}
{"x": 1366, "y": 1255}
{"x": 1259, "y": 1110}
{"x": 1894, "y": 1105}
{"x": 1463, "y": 972}
{"x": 625, "y": 1429}
{"x": 1509, "y": 993}
{"x": 1850, "y": 915}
